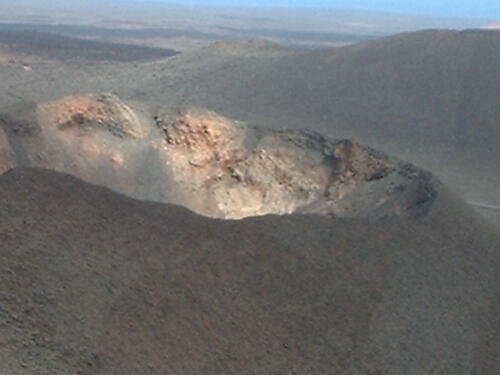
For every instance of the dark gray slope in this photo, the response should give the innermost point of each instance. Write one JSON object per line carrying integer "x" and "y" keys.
{"x": 92, "y": 282}
{"x": 68, "y": 49}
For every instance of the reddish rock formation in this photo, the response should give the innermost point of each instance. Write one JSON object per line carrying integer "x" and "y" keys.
{"x": 232, "y": 171}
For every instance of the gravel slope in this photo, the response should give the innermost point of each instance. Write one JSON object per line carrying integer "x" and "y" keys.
{"x": 96, "y": 283}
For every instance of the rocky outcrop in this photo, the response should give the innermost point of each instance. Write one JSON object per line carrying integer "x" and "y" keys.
{"x": 6, "y": 156}
{"x": 96, "y": 137}
{"x": 232, "y": 171}
{"x": 92, "y": 112}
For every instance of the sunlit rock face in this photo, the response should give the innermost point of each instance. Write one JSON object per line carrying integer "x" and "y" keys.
{"x": 98, "y": 138}
{"x": 6, "y": 156}
{"x": 232, "y": 171}
{"x": 215, "y": 166}
{"x": 86, "y": 113}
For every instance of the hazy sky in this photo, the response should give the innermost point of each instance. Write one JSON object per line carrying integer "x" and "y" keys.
{"x": 449, "y": 8}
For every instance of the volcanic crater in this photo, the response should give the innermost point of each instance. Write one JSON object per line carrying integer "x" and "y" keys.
{"x": 216, "y": 166}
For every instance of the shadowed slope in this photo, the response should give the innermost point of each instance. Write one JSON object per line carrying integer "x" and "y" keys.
{"x": 25, "y": 40}
{"x": 92, "y": 282}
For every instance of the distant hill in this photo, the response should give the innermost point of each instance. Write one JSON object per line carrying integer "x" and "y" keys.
{"x": 438, "y": 88}
{"x": 20, "y": 40}
{"x": 92, "y": 282}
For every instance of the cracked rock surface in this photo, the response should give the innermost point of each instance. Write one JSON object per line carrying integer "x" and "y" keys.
{"x": 232, "y": 171}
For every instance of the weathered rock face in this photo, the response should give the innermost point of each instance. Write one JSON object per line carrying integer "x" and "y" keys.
{"x": 85, "y": 113}
{"x": 6, "y": 156}
{"x": 100, "y": 139}
{"x": 215, "y": 166}
{"x": 233, "y": 171}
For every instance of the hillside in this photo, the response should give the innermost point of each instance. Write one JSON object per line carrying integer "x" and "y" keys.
{"x": 428, "y": 97}
{"x": 92, "y": 282}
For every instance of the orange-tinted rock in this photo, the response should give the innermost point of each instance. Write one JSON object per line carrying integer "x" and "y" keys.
{"x": 232, "y": 171}
{"x": 92, "y": 112}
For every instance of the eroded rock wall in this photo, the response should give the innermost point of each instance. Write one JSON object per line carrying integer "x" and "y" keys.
{"x": 89, "y": 112}
{"x": 232, "y": 171}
